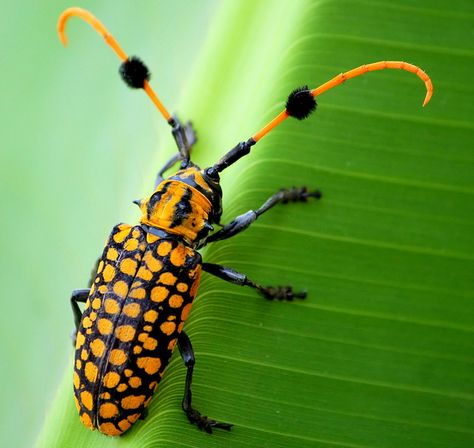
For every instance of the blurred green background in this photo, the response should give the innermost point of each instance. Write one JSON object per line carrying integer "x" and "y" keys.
{"x": 381, "y": 352}
{"x": 77, "y": 148}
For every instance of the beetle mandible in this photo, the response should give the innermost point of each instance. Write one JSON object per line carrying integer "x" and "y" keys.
{"x": 148, "y": 274}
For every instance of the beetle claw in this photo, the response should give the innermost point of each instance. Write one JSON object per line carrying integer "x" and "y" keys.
{"x": 281, "y": 293}
{"x": 205, "y": 423}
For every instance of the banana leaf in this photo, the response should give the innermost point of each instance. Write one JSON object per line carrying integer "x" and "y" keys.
{"x": 380, "y": 353}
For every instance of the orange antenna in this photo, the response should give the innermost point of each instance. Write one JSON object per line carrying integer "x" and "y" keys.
{"x": 301, "y": 95}
{"x": 133, "y": 71}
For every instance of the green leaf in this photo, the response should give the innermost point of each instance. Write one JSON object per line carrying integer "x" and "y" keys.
{"x": 380, "y": 354}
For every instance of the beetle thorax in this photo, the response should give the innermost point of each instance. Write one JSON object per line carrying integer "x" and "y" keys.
{"x": 177, "y": 208}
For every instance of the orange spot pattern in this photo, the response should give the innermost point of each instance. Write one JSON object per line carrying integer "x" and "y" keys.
{"x": 143, "y": 292}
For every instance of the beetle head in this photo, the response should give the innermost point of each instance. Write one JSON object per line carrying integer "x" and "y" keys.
{"x": 185, "y": 204}
{"x": 206, "y": 184}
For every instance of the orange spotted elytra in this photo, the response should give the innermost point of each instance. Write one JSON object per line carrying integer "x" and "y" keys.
{"x": 148, "y": 274}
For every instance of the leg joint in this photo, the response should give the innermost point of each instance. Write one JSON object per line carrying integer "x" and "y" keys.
{"x": 226, "y": 273}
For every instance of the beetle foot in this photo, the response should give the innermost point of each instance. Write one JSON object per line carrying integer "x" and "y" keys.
{"x": 299, "y": 194}
{"x": 281, "y": 293}
{"x": 205, "y": 423}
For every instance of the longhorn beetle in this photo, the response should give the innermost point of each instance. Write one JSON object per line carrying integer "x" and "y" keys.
{"x": 148, "y": 274}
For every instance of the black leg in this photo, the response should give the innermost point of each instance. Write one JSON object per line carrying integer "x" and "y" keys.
{"x": 78, "y": 295}
{"x": 185, "y": 137}
{"x": 194, "y": 416}
{"x": 243, "y": 221}
{"x": 237, "y": 278}
{"x": 166, "y": 167}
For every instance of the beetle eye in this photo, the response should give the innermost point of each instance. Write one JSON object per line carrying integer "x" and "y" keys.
{"x": 212, "y": 173}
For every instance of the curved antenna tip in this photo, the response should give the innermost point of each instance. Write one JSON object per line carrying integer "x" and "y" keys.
{"x": 98, "y": 26}
{"x": 63, "y": 18}
{"x": 63, "y": 39}
{"x": 427, "y": 98}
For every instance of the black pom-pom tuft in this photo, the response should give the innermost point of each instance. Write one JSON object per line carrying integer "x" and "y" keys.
{"x": 134, "y": 72}
{"x": 300, "y": 103}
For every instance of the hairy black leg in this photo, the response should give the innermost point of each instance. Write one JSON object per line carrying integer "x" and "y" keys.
{"x": 194, "y": 416}
{"x": 243, "y": 221}
{"x": 237, "y": 278}
{"x": 185, "y": 137}
{"x": 78, "y": 295}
